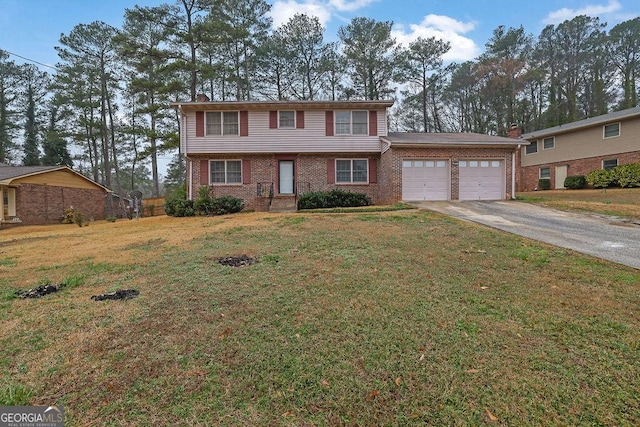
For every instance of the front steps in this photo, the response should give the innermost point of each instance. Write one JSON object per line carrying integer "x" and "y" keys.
{"x": 283, "y": 204}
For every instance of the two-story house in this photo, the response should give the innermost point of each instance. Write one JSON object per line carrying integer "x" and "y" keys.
{"x": 577, "y": 148}
{"x": 268, "y": 152}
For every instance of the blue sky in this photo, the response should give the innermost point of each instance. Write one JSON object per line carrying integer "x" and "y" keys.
{"x": 31, "y": 28}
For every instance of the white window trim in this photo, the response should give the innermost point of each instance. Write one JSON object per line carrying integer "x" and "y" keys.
{"x": 221, "y": 123}
{"x": 335, "y": 122}
{"x": 225, "y": 172}
{"x": 540, "y": 173}
{"x": 604, "y": 133}
{"x": 351, "y": 182}
{"x": 553, "y": 138}
{"x": 527, "y": 146}
{"x": 294, "y": 119}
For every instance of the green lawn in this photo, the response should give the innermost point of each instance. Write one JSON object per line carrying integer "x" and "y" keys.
{"x": 390, "y": 318}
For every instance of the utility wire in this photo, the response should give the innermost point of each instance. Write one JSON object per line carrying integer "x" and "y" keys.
{"x": 30, "y": 60}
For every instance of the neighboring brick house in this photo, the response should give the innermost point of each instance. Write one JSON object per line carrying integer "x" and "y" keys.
{"x": 40, "y": 194}
{"x": 268, "y": 153}
{"x": 577, "y": 148}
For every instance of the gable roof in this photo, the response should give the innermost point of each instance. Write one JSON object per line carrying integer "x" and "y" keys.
{"x": 9, "y": 173}
{"x": 581, "y": 124}
{"x": 446, "y": 139}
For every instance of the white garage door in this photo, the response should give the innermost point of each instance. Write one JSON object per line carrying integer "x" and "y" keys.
{"x": 482, "y": 180}
{"x": 425, "y": 179}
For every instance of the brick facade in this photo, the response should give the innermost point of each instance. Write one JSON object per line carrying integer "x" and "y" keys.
{"x": 45, "y": 204}
{"x": 529, "y": 175}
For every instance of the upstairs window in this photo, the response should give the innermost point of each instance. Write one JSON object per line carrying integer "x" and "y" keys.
{"x": 286, "y": 119}
{"x": 225, "y": 171}
{"x": 350, "y": 171}
{"x": 548, "y": 143}
{"x": 532, "y": 148}
{"x": 609, "y": 164}
{"x": 612, "y": 130}
{"x": 352, "y": 123}
{"x": 222, "y": 123}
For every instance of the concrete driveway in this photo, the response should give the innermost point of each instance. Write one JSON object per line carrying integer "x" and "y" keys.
{"x": 614, "y": 239}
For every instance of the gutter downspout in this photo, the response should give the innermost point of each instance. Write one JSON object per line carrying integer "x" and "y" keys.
{"x": 513, "y": 173}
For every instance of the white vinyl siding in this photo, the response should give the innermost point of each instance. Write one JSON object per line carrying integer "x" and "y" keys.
{"x": 225, "y": 172}
{"x": 311, "y": 139}
{"x": 222, "y": 123}
{"x": 352, "y": 171}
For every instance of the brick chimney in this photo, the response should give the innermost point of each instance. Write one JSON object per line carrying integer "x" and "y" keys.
{"x": 514, "y": 132}
{"x": 201, "y": 97}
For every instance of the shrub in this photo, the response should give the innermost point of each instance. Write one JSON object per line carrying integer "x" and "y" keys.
{"x": 627, "y": 175}
{"x": 203, "y": 205}
{"x": 575, "y": 182}
{"x": 544, "y": 184}
{"x": 178, "y": 205}
{"x": 599, "y": 178}
{"x": 111, "y": 219}
{"x": 332, "y": 199}
{"x": 226, "y": 204}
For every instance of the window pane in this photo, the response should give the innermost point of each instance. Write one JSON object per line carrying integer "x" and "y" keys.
{"x": 473, "y": 164}
{"x": 532, "y": 148}
{"x": 217, "y": 172}
{"x": 213, "y": 123}
{"x": 287, "y": 119}
{"x": 484, "y": 164}
{"x": 463, "y": 163}
{"x": 360, "y": 171}
{"x": 343, "y": 170}
{"x": 441, "y": 164}
{"x": 548, "y": 143}
{"x": 609, "y": 164}
{"x": 612, "y": 130}
{"x": 545, "y": 173}
{"x": 418, "y": 164}
{"x": 234, "y": 171}
{"x": 495, "y": 163}
{"x": 406, "y": 163}
{"x": 360, "y": 124}
{"x": 230, "y": 126}
{"x": 343, "y": 122}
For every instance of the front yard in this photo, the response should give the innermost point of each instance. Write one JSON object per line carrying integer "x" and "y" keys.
{"x": 389, "y": 318}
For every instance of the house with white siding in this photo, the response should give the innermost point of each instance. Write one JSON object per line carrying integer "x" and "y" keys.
{"x": 270, "y": 152}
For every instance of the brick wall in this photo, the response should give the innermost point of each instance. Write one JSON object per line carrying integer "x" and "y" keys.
{"x": 531, "y": 174}
{"x": 45, "y": 204}
{"x": 391, "y": 167}
{"x": 311, "y": 169}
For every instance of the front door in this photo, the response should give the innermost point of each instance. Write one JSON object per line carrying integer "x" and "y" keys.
{"x": 285, "y": 176}
{"x": 561, "y": 175}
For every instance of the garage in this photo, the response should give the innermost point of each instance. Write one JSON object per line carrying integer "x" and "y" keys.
{"x": 425, "y": 179}
{"x": 481, "y": 180}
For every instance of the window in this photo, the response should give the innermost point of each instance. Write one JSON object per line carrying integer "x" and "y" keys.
{"x": 545, "y": 173}
{"x": 609, "y": 164}
{"x": 612, "y": 130}
{"x": 286, "y": 119}
{"x": 222, "y": 123}
{"x": 225, "y": 171}
{"x": 352, "y": 123}
{"x": 352, "y": 171}
{"x": 548, "y": 143}
{"x": 532, "y": 148}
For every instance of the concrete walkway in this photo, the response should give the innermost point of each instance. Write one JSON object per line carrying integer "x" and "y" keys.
{"x": 610, "y": 238}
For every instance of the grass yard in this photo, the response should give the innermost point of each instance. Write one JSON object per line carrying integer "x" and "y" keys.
{"x": 623, "y": 202}
{"x": 390, "y": 318}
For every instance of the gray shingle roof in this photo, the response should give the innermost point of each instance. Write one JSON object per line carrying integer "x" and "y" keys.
{"x": 7, "y": 172}
{"x": 448, "y": 138}
{"x": 592, "y": 121}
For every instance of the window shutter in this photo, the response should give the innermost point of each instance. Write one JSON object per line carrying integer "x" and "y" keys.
{"x": 373, "y": 123}
{"x": 328, "y": 118}
{"x": 246, "y": 171}
{"x": 199, "y": 123}
{"x": 331, "y": 171}
{"x": 204, "y": 172}
{"x": 300, "y": 119}
{"x": 244, "y": 123}
{"x": 273, "y": 120}
{"x": 373, "y": 171}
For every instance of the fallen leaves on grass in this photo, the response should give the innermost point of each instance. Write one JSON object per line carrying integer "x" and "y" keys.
{"x": 372, "y": 395}
{"x": 491, "y": 417}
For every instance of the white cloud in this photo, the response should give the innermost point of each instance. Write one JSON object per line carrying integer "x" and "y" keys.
{"x": 445, "y": 28}
{"x": 595, "y": 10}
{"x": 283, "y": 10}
{"x": 349, "y": 5}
